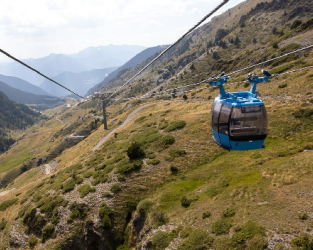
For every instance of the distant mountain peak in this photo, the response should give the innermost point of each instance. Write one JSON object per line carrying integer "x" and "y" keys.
{"x": 97, "y": 57}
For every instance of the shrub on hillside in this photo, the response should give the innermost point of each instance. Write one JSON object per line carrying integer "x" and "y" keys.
{"x": 290, "y": 47}
{"x": 215, "y": 55}
{"x": 303, "y": 216}
{"x": 185, "y": 202}
{"x": 48, "y": 232}
{"x": 213, "y": 191}
{"x": 174, "y": 170}
{"x": 228, "y": 213}
{"x": 282, "y": 86}
{"x": 69, "y": 185}
{"x": 88, "y": 174}
{"x": 74, "y": 168}
{"x": 295, "y": 24}
{"x": 250, "y": 234}
{"x": 3, "y": 224}
{"x": 257, "y": 242}
{"x": 159, "y": 218}
{"x": 79, "y": 211}
{"x": 303, "y": 113}
{"x": 163, "y": 124}
{"x": 144, "y": 207}
{"x": 175, "y": 125}
{"x": 206, "y": 215}
{"x": 85, "y": 189}
{"x": 167, "y": 140}
{"x": 153, "y": 162}
{"x": 303, "y": 242}
{"x": 105, "y": 214}
{"x": 197, "y": 239}
{"x": 32, "y": 242}
{"x": 127, "y": 167}
{"x": 222, "y": 243}
{"x": 161, "y": 240}
{"x": 123, "y": 247}
{"x": 221, "y": 226}
{"x": 51, "y": 204}
{"x": 134, "y": 151}
{"x": 4, "y": 205}
{"x": 33, "y": 221}
{"x": 78, "y": 179}
{"x": 177, "y": 152}
{"x": 99, "y": 177}
{"x": 116, "y": 188}
{"x": 285, "y": 59}
{"x": 140, "y": 119}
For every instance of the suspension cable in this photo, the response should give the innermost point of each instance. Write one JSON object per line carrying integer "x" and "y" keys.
{"x": 27, "y": 66}
{"x": 270, "y": 60}
{"x": 171, "y": 46}
{"x": 207, "y": 87}
{"x": 273, "y": 76}
{"x": 243, "y": 69}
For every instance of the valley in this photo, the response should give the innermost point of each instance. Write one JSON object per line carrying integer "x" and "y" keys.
{"x": 156, "y": 179}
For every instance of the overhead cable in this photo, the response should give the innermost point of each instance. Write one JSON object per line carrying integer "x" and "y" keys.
{"x": 171, "y": 46}
{"x": 27, "y": 66}
{"x": 160, "y": 93}
{"x": 249, "y": 67}
{"x": 270, "y": 60}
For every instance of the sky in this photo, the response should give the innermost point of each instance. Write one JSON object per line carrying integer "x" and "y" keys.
{"x": 36, "y": 28}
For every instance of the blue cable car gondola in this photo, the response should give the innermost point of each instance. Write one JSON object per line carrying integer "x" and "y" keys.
{"x": 239, "y": 120}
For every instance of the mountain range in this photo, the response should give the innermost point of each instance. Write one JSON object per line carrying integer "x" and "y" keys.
{"x": 78, "y": 82}
{"x": 23, "y": 85}
{"x": 139, "y": 58}
{"x": 85, "y": 60}
{"x": 13, "y": 116}
{"x": 39, "y": 101}
{"x": 156, "y": 179}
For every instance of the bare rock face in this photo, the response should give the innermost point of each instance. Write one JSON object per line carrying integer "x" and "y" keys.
{"x": 17, "y": 237}
{"x": 89, "y": 238}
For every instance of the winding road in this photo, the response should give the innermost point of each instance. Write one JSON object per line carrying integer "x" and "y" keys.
{"x": 128, "y": 119}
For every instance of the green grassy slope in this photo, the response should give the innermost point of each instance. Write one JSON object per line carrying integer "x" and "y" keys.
{"x": 184, "y": 192}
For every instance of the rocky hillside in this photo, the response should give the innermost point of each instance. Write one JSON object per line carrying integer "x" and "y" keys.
{"x": 253, "y": 31}
{"x": 88, "y": 59}
{"x": 157, "y": 180}
{"x": 78, "y": 82}
{"x": 140, "y": 58}
{"x": 13, "y": 116}
{"x": 20, "y": 84}
{"x": 40, "y": 102}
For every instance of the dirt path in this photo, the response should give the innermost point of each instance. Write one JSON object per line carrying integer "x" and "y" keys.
{"x": 72, "y": 136}
{"x": 128, "y": 119}
{"x": 59, "y": 120}
{"x": 48, "y": 169}
{"x": 6, "y": 192}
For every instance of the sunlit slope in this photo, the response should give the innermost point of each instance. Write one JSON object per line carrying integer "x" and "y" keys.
{"x": 160, "y": 181}
{"x": 183, "y": 175}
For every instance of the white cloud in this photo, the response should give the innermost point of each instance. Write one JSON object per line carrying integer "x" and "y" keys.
{"x": 34, "y": 28}
{"x": 152, "y": 24}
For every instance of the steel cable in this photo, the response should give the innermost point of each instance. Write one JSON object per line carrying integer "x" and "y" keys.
{"x": 171, "y": 46}
{"x": 27, "y": 66}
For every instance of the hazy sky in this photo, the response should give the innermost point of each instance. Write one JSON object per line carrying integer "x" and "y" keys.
{"x": 36, "y": 28}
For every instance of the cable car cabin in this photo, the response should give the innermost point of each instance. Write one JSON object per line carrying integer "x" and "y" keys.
{"x": 239, "y": 124}
{"x": 239, "y": 119}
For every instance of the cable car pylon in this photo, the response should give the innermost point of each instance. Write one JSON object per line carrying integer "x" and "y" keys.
{"x": 103, "y": 97}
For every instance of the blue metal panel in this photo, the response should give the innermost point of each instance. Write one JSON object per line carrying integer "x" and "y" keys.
{"x": 224, "y": 140}
{"x": 247, "y": 145}
{"x": 216, "y": 136}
